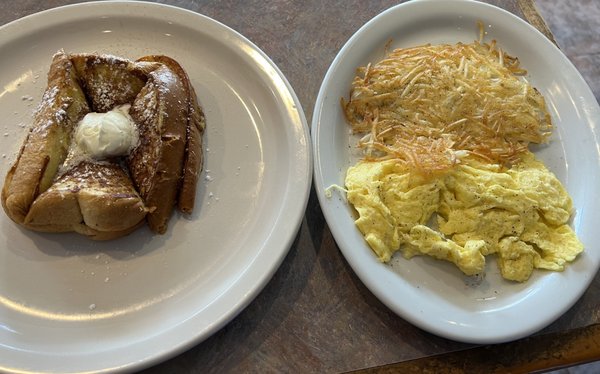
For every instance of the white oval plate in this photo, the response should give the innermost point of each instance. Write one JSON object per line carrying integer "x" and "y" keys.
{"x": 71, "y": 305}
{"x": 433, "y": 294}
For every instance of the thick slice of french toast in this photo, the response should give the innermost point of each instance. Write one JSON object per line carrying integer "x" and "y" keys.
{"x": 108, "y": 80}
{"x": 94, "y": 199}
{"x": 46, "y": 146}
{"x": 161, "y": 113}
{"x": 195, "y": 128}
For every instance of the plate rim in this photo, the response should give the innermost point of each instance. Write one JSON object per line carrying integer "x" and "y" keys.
{"x": 289, "y": 227}
{"x": 328, "y": 212}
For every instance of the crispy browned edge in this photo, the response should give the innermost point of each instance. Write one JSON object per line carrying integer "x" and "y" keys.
{"x": 195, "y": 128}
{"x": 94, "y": 234}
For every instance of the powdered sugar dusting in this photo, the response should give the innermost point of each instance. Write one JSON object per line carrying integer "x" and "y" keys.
{"x": 49, "y": 100}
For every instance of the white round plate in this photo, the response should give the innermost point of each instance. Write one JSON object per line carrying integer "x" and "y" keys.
{"x": 433, "y": 294}
{"x": 69, "y": 304}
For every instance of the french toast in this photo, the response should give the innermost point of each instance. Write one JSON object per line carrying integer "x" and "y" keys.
{"x": 47, "y": 191}
{"x": 108, "y": 80}
{"x": 156, "y": 165}
{"x": 193, "y": 144}
{"x": 45, "y": 148}
{"x": 94, "y": 199}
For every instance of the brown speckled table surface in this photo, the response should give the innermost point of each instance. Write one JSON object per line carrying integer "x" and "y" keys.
{"x": 315, "y": 315}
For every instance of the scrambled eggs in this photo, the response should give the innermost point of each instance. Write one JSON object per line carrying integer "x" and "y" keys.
{"x": 520, "y": 214}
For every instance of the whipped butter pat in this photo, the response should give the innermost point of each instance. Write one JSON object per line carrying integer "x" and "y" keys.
{"x": 100, "y": 136}
{"x": 110, "y": 134}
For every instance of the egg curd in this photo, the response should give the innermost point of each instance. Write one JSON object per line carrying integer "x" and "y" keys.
{"x": 472, "y": 210}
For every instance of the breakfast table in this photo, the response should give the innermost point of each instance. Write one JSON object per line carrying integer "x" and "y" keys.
{"x": 315, "y": 314}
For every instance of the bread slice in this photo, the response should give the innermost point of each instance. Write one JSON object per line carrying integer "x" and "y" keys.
{"x": 108, "y": 80}
{"x": 156, "y": 165}
{"x": 93, "y": 199}
{"x": 46, "y": 145}
{"x": 195, "y": 128}
{"x": 111, "y": 198}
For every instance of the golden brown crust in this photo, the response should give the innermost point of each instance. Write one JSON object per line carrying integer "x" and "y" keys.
{"x": 194, "y": 158}
{"x": 46, "y": 145}
{"x": 156, "y": 164}
{"x": 108, "y": 80}
{"x": 195, "y": 128}
{"x": 91, "y": 198}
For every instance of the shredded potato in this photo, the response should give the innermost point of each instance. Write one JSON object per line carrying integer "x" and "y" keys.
{"x": 430, "y": 105}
